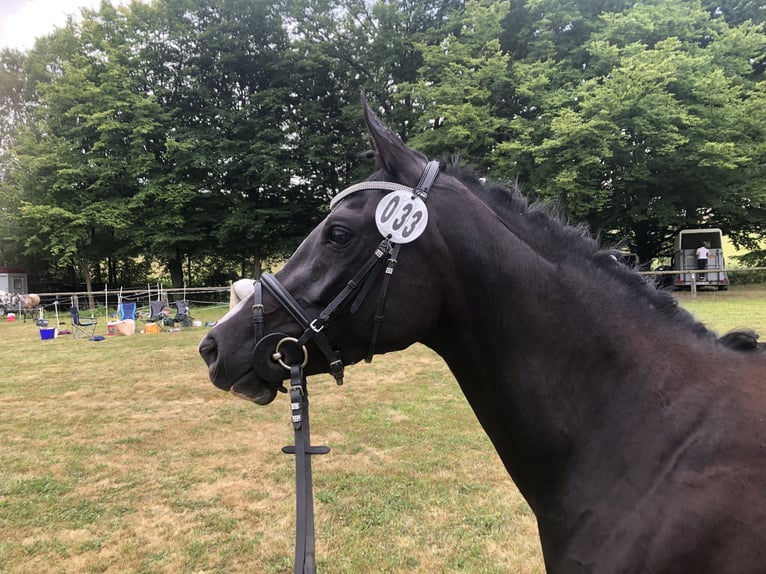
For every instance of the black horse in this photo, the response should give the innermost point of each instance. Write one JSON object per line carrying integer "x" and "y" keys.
{"x": 635, "y": 434}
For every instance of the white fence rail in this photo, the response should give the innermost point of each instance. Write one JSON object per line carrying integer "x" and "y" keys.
{"x": 695, "y": 272}
{"x": 109, "y": 297}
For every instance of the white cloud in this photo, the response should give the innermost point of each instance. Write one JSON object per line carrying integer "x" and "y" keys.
{"x": 21, "y": 21}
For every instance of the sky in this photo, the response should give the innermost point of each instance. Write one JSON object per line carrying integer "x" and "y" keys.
{"x": 21, "y": 21}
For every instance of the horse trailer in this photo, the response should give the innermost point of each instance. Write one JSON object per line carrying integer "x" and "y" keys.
{"x": 13, "y": 280}
{"x": 685, "y": 259}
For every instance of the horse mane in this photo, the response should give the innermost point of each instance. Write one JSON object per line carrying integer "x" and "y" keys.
{"x": 544, "y": 228}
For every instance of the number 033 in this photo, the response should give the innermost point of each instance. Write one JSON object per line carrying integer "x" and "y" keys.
{"x": 402, "y": 216}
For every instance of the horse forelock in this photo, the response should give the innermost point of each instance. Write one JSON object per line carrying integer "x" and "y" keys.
{"x": 544, "y": 228}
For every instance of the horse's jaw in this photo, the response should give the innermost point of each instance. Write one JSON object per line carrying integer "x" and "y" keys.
{"x": 241, "y": 381}
{"x": 255, "y": 392}
{"x": 249, "y": 386}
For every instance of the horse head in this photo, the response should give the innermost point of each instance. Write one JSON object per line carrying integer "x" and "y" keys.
{"x": 336, "y": 294}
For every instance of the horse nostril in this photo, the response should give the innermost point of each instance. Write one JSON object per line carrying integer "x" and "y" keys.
{"x": 208, "y": 348}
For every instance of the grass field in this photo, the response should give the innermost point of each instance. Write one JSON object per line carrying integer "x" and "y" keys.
{"x": 119, "y": 456}
{"x": 740, "y": 306}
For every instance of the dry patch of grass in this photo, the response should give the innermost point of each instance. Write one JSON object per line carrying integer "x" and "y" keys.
{"x": 120, "y": 456}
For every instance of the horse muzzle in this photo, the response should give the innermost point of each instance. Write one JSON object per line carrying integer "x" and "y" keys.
{"x": 259, "y": 385}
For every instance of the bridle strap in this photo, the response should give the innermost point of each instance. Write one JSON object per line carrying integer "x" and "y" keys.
{"x": 381, "y": 309}
{"x": 313, "y": 329}
{"x": 422, "y": 189}
{"x": 304, "y": 320}
{"x": 292, "y": 306}
{"x": 362, "y": 293}
{"x": 365, "y": 185}
{"x": 427, "y": 179}
{"x": 339, "y": 302}
{"x": 258, "y": 311}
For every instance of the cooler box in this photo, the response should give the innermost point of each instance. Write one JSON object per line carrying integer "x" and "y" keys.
{"x": 152, "y": 329}
{"x": 48, "y": 333}
{"x": 11, "y": 317}
{"x": 126, "y": 327}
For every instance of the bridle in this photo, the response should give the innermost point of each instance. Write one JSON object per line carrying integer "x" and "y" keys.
{"x": 277, "y": 356}
{"x": 287, "y": 350}
{"x": 284, "y": 347}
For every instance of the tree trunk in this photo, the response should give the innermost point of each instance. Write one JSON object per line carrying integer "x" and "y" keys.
{"x": 176, "y": 269}
{"x": 85, "y": 271}
{"x": 111, "y": 266}
{"x": 257, "y": 267}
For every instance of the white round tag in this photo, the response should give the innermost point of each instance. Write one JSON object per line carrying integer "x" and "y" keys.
{"x": 401, "y": 215}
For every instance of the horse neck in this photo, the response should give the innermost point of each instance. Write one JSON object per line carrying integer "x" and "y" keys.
{"x": 546, "y": 357}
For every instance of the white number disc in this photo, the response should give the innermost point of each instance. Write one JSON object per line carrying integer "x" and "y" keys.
{"x": 401, "y": 215}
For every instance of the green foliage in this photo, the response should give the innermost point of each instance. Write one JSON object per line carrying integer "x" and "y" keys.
{"x": 647, "y": 128}
{"x": 755, "y": 258}
{"x": 462, "y": 83}
{"x": 212, "y": 133}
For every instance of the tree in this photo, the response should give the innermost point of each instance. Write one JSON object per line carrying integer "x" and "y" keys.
{"x": 651, "y": 131}
{"x": 338, "y": 49}
{"x": 12, "y": 114}
{"x": 737, "y": 11}
{"x": 343, "y": 47}
{"x": 12, "y": 98}
{"x": 212, "y": 132}
{"x": 164, "y": 130}
{"x": 227, "y": 165}
{"x": 462, "y": 85}
{"x": 89, "y": 146}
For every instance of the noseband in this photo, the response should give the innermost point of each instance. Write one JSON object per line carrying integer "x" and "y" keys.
{"x": 275, "y": 353}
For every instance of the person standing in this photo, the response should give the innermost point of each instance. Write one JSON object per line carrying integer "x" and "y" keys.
{"x": 702, "y": 256}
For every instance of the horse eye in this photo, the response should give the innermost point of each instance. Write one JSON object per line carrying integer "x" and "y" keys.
{"x": 340, "y": 236}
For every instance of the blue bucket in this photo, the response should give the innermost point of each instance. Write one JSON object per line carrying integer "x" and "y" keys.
{"x": 49, "y": 333}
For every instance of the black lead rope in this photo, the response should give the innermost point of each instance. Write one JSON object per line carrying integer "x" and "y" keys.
{"x": 305, "y": 553}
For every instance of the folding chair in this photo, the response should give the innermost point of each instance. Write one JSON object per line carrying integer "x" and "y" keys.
{"x": 80, "y": 327}
{"x": 182, "y": 314}
{"x": 159, "y": 314}
{"x": 127, "y": 311}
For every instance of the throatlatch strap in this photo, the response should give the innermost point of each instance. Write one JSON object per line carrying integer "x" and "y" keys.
{"x": 365, "y": 290}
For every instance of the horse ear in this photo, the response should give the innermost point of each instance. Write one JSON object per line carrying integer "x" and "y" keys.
{"x": 395, "y": 158}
